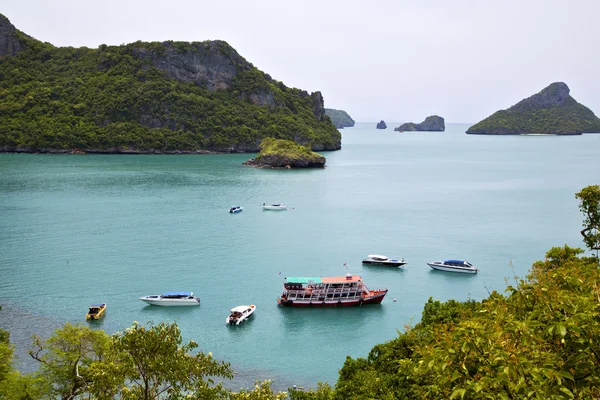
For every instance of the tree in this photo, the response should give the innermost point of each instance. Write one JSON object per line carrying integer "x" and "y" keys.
{"x": 69, "y": 359}
{"x": 589, "y": 205}
{"x": 157, "y": 365}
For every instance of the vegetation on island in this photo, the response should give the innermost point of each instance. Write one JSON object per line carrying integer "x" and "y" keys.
{"x": 539, "y": 340}
{"x": 142, "y": 97}
{"x": 279, "y": 153}
{"x": 340, "y": 118}
{"x": 551, "y": 111}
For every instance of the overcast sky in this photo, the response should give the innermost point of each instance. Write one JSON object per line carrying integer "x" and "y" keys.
{"x": 395, "y": 60}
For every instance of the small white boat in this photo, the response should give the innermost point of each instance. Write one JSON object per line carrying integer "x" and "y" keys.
{"x": 374, "y": 259}
{"x": 235, "y": 209}
{"x": 239, "y": 314}
{"x": 274, "y": 207}
{"x": 171, "y": 299}
{"x": 462, "y": 266}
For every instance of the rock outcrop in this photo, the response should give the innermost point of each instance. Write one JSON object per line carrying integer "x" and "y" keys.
{"x": 211, "y": 64}
{"x": 340, "y": 118}
{"x": 431, "y": 124}
{"x": 551, "y": 111}
{"x": 381, "y": 125}
{"x": 278, "y": 153}
{"x": 10, "y": 44}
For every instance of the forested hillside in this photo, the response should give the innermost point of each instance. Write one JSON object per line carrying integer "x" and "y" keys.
{"x": 147, "y": 97}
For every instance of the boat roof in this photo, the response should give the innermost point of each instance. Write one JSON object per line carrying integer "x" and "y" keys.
{"x": 376, "y": 256}
{"x": 304, "y": 279}
{"x": 455, "y": 261}
{"x": 174, "y": 294}
{"x": 328, "y": 279}
{"x": 98, "y": 305}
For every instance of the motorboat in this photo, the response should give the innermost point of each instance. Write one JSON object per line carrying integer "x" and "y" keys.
{"x": 374, "y": 259}
{"x": 274, "y": 207}
{"x": 239, "y": 314}
{"x": 331, "y": 291}
{"x": 235, "y": 209}
{"x": 462, "y": 266}
{"x": 171, "y": 299}
{"x": 96, "y": 311}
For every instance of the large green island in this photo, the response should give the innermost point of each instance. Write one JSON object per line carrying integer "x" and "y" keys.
{"x": 169, "y": 97}
{"x": 551, "y": 111}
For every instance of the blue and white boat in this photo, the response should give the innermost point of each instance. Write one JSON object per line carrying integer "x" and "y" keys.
{"x": 171, "y": 299}
{"x": 235, "y": 209}
{"x": 462, "y": 266}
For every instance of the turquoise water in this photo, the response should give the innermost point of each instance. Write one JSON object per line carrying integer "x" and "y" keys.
{"x": 80, "y": 229}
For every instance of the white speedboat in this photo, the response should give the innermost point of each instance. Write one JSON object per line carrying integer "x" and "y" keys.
{"x": 462, "y": 266}
{"x": 239, "y": 314}
{"x": 235, "y": 209}
{"x": 374, "y": 259}
{"x": 171, "y": 299}
{"x": 274, "y": 207}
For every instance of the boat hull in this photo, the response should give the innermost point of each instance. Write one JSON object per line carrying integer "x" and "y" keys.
{"x": 376, "y": 298}
{"x": 269, "y": 208}
{"x": 391, "y": 263}
{"x": 444, "y": 268}
{"x": 171, "y": 302}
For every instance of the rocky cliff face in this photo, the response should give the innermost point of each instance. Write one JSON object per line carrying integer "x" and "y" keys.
{"x": 431, "y": 123}
{"x": 381, "y": 125}
{"x": 211, "y": 64}
{"x": 551, "y": 111}
{"x": 340, "y": 118}
{"x": 9, "y": 42}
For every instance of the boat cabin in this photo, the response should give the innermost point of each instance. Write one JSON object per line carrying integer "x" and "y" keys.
{"x": 95, "y": 309}
{"x": 177, "y": 295}
{"x": 321, "y": 289}
{"x": 458, "y": 263}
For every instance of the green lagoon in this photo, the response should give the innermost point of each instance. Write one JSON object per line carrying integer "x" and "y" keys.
{"x": 82, "y": 229}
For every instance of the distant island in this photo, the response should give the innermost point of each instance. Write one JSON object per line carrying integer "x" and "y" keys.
{"x": 279, "y": 153}
{"x": 431, "y": 123}
{"x": 169, "y": 97}
{"x": 381, "y": 125}
{"x": 551, "y": 111}
{"x": 340, "y": 118}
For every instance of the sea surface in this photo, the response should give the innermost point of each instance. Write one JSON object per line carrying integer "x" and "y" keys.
{"x": 82, "y": 229}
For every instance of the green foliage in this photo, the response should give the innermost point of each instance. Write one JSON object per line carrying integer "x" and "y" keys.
{"x": 157, "y": 365}
{"x": 589, "y": 198}
{"x": 287, "y": 149}
{"x": 539, "y": 341}
{"x": 69, "y": 358}
{"x": 111, "y": 99}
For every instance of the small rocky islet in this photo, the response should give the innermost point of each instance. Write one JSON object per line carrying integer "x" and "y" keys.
{"x": 285, "y": 154}
{"x": 552, "y": 111}
{"x": 381, "y": 125}
{"x": 433, "y": 123}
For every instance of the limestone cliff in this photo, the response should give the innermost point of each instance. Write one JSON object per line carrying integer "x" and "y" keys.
{"x": 431, "y": 123}
{"x": 340, "y": 118}
{"x": 10, "y": 44}
{"x": 551, "y": 111}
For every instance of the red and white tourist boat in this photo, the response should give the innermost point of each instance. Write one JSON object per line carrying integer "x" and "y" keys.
{"x": 332, "y": 291}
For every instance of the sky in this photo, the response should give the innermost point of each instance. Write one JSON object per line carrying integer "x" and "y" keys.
{"x": 396, "y": 60}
